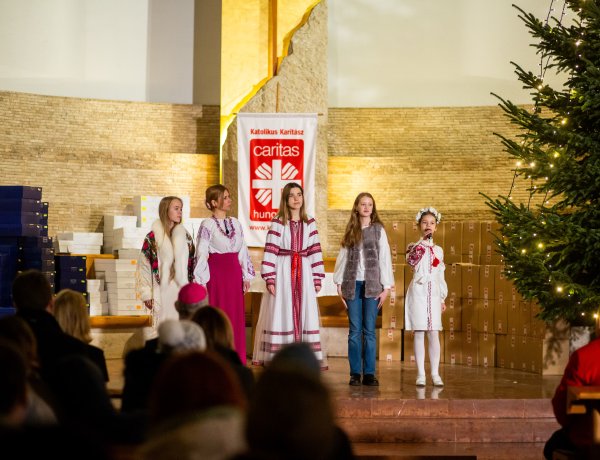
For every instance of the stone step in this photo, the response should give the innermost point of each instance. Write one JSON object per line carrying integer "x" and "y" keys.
{"x": 460, "y": 421}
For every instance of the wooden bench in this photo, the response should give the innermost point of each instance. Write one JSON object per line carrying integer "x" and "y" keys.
{"x": 584, "y": 401}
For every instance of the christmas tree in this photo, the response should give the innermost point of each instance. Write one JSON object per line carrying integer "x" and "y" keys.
{"x": 551, "y": 244}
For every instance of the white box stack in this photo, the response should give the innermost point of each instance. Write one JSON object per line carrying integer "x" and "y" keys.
{"x": 145, "y": 207}
{"x": 97, "y": 297}
{"x": 111, "y": 223}
{"x": 119, "y": 279}
{"x": 129, "y": 238}
{"x": 79, "y": 242}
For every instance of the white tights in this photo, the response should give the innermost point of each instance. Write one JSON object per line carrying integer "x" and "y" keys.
{"x": 433, "y": 340}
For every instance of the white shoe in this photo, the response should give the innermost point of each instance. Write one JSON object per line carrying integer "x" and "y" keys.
{"x": 420, "y": 381}
{"x": 437, "y": 381}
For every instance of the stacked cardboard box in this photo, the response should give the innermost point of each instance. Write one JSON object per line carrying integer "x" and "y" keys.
{"x": 111, "y": 223}
{"x": 79, "y": 242}
{"x": 71, "y": 273}
{"x": 119, "y": 279}
{"x": 486, "y": 322}
{"x": 98, "y": 297}
{"x": 23, "y": 236}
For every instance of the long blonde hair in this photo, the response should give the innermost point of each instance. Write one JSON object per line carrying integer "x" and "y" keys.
{"x": 284, "y": 214}
{"x": 71, "y": 312}
{"x": 353, "y": 234}
{"x": 163, "y": 213}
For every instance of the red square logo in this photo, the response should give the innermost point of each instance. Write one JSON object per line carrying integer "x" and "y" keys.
{"x": 273, "y": 164}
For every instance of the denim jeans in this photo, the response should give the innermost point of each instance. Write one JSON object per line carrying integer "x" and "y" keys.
{"x": 362, "y": 314}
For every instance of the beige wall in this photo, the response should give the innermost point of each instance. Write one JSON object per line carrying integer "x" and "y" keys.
{"x": 91, "y": 157}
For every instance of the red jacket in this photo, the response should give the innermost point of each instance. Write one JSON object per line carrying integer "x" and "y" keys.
{"x": 583, "y": 369}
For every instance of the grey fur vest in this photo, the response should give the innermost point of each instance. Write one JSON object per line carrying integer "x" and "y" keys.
{"x": 370, "y": 250}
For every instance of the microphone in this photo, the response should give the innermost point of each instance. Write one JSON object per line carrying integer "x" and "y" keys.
{"x": 429, "y": 236}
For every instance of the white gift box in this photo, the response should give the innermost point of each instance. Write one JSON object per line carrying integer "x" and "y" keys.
{"x": 82, "y": 237}
{"x": 97, "y": 297}
{"x": 96, "y": 285}
{"x": 123, "y": 279}
{"x": 79, "y": 248}
{"x": 120, "y": 293}
{"x": 99, "y": 310}
{"x": 112, "y": 221}
{"x": 125, "y": 253}
{"x": 115, "y": 265}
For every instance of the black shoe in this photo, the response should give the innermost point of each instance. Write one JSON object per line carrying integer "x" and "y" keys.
{"x": 354, "y": 380}
{"x": 370, "y": 380}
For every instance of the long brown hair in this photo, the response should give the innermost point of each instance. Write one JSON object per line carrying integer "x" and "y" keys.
{"x": 284, "y": 213}
{"x": 163, "y": 212}
{"x": 215, "y": 193}
{"x": 353, "y": 234}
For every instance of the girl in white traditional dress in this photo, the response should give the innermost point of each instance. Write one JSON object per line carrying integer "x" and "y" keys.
{"x": 293, "y": 270}
{"x": 166, "y": 262}
{"x": 223, "y": 264}
{"x": 426, "y": 295}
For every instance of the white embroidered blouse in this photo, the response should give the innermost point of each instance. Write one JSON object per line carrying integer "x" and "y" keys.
{"x": 220, "y": 236}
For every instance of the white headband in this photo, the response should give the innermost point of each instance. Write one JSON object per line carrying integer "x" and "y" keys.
{"x": 431, "y": 210}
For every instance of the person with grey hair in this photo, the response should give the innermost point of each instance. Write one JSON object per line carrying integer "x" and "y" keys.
{"x": 180, "y": 336}
{"x": 142, "y": 366}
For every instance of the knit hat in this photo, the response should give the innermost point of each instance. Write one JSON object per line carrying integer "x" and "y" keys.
{"x": 192, "y": 293}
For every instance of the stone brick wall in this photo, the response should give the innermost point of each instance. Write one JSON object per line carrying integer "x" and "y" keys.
{"x": 412, "y": 157}
{"x": 91, "y": 157}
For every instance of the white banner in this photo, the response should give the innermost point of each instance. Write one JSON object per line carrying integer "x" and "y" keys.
{"x": 273, "y": 150}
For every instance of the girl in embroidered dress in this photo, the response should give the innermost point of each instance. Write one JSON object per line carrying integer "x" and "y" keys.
{"x": 426, "y": 295}
{"x": 293, "y": 270}
{"x": 166, "y": 262}
{"x": 223, "y": 264}
{"x": 363, "y": 275}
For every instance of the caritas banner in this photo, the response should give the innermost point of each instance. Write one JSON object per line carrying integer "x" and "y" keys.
{"x": 273, "y": 150}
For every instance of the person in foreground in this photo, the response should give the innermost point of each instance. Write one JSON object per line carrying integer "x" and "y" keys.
{"x": 363, "y": 275}
{"x": 583, "y": 369}
{"x": 426, "y": 294}
{"x": 293, "y": 270}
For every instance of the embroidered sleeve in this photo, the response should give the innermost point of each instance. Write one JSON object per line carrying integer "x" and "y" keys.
{"x": 415, "y": 254}
{"x": 272, "y": 245}
{"x": 248, "y": 272}
{"x": 201, "y": 272}
{"x": 315, "y": 255}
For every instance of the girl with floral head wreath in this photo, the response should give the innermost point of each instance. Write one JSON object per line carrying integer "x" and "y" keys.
{"x": 426, "y": 295}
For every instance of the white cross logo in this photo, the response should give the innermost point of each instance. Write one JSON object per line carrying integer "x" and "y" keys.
{"x": 277, "y": 181}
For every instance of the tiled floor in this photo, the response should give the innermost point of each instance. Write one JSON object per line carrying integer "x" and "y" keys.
{"x": 477, "y": 401}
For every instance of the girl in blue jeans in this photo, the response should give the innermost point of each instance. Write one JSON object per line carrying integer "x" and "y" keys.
{"x": 363, "y": 275}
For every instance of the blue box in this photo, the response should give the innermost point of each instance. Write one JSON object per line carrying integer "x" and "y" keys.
{"x": 70, "y": 261}
{"x": 7, "y": 311}
{"x": 18, "y": 217}
{"x": 16, "y": 205}
{"x": 40, "y": 253}
{"x": 70, "y": 272}
{"x": 74, "y": 284}
{"x": 35, "y": 242}
{"x": 20, "y": 191}
{"x": 36, "y": 264}
{"x": 20, "y": 230}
